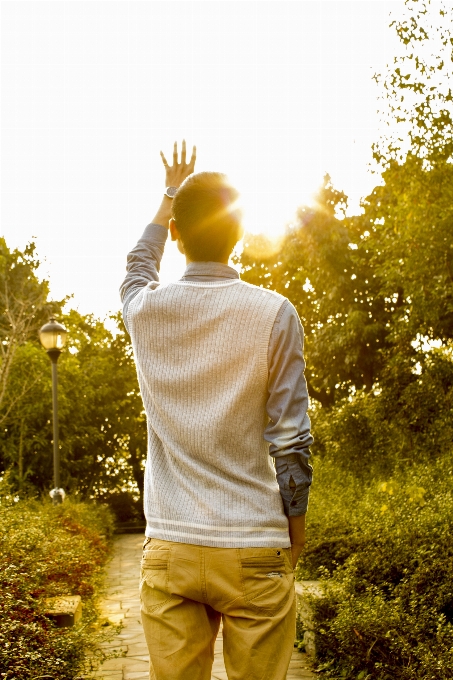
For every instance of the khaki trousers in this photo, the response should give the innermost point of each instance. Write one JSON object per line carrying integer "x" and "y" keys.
{"x": 186, "y": 590}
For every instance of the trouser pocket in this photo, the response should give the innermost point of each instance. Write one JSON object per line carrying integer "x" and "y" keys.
{"x": 154, "y": 579}
{"x": 267, "y": 579}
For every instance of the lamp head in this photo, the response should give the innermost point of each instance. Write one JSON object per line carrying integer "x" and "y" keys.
{"x": 53, "y": 336}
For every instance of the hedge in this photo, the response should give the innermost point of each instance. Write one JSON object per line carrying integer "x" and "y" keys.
{"x": 383, "y": 549}
{"x": 46, "y": 551}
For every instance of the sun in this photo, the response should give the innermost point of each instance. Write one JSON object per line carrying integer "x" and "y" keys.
{"x": 268, "y": 204}
{"x": 269, "y": 207}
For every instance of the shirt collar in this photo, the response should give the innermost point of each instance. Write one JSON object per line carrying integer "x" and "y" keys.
{"x": 214, "y": 269}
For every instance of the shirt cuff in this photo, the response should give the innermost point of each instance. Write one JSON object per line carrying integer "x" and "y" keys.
{"x": 294, "y": 468}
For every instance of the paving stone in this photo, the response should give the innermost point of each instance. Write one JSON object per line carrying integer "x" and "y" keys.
{"x": 130, "y": 600}
{"x": 134, "y": 665}
{"x": 132, "y": 638}
{"x": 108, "y": 675}
{"x": 130, "y": 582}
{"x": 114, "y": 645}
{"x": 109, "y": 597}
{"x": 218, "y": 668}
{"x": 140, "y": 658}
{"x": 115, "y": 618}
{"x": 113, "y": 664}
{"x": 131, "y": 629}
{"x": 123, "y": 593}
{"x": 132, "y": 613}
{"x": 137, "y": 648}
{"x": 111, "y": 607}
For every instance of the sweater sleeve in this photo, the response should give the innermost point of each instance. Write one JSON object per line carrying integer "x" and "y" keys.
{"x": 143, "y": 264}
{"x": 288, "y": 430}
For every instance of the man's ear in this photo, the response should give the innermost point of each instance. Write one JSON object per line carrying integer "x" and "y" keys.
{"x": 173, "y": 231}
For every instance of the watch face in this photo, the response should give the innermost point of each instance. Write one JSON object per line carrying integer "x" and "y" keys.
{"x": 171, "y": 191}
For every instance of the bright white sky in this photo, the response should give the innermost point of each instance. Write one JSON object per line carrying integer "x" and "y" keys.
{"x": 273, "y": 93}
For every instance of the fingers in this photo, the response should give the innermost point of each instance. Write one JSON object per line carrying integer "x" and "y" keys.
{"x": 164, "y": 160}
{"x": 190, "y": 165}
{"x": 193, "y": 158}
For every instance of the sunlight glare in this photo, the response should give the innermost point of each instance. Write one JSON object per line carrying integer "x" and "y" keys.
{"x": 268, "y": 207}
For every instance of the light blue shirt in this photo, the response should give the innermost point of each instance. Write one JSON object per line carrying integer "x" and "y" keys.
{"x": 288, "y": 430}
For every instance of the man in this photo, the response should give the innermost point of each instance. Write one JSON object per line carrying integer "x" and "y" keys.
{"x": 221, "y": 372}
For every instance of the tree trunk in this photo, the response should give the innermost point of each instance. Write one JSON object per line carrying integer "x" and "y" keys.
{"x": 21, "y": 456}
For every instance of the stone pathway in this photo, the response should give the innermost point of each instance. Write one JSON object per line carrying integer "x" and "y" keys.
{"x": 121, "y": 603}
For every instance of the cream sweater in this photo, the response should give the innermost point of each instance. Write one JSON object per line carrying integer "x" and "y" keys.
{"x": 201, "y": 354}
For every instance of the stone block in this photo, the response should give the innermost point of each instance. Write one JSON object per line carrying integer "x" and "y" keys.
{"x": 134, "y": 665}
{"x": 108, "y": 675}
{"x": 115, "y": 664}
{"x": 306, "y": 591}
{"x": 116, "y": 618}
{"x": 138, "y": 649}
{"x": 64, "y": 610}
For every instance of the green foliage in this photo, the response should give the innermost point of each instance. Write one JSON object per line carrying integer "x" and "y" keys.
{"x": 384, "y": 550}
{"x": 416, "y": 88}
{"x": 46, "y": 551}
{"x": 23, "y": 309}
{"x": 366, "y": 287}
{"x": 407, "y": 418}
{"x": 375, "y": 295}
{"x": 380, "y": 526}
{"x": 102, "y": 423}
{"x": 408, "y": 229}
{"x": 323, "y": 267}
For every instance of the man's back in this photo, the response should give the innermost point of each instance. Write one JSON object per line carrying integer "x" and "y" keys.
{"x": 202, "y": 358}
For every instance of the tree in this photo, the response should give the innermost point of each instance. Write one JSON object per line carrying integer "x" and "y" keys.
{"x": 417, "y": 101}
{"x": 366, "y": 287}
{"x": 410, "y": 222}
{"x": 102, "y": 424}
{"x": 23, "y": 309}
{"x": 323, "y": 267}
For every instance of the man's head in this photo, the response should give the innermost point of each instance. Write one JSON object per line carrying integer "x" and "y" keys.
{"x": 205, "y": 217}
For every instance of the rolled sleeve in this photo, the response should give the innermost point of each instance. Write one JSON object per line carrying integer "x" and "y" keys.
{"x": 288, "y": 430}
{"x": 294, "y": 467}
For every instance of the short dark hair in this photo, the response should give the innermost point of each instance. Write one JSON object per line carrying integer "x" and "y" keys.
{"x": 206, "y": 218}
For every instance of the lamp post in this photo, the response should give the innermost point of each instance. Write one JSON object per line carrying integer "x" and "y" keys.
{"x": 53, "y": 338}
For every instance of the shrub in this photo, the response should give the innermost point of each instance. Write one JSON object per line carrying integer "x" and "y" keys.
{"x": 407, "y": 417}
{"x": 383, "y": 548}
{"x": 124, "y": 507}
{"x": 46, "y": 551}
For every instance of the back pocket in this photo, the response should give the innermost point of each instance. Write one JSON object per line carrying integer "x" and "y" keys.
{"x": 154, "y": 580}
{"x": 267, "y": 581}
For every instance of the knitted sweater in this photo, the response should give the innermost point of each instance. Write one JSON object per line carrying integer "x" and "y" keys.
{"x": 201, "y": 356}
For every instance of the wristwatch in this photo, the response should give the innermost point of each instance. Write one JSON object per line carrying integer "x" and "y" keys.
{"x": 171, "y": 191}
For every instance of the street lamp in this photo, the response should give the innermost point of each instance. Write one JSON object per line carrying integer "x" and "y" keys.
{"x": 53, "y": 338}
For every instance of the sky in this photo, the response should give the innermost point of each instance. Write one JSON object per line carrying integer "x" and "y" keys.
{"x": 275, "y": 94}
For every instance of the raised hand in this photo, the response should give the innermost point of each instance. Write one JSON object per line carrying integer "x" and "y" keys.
{"x": 177, "y": 173}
